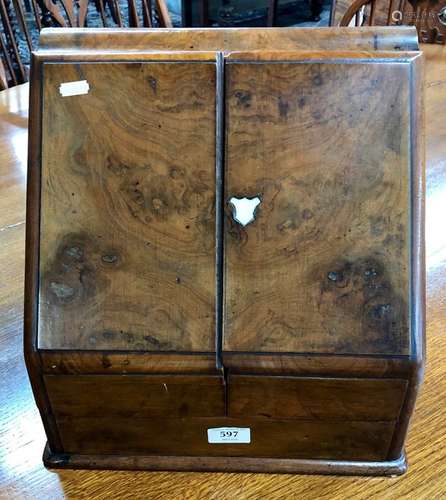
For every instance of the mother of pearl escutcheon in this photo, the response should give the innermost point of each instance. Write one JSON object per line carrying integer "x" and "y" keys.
{"x": 244, "y": 209}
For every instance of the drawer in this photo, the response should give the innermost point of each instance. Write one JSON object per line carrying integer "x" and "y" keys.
{"x": 316, "y": 398}
{"x": 135, "y": 396}
{"x": 188, "y": 437}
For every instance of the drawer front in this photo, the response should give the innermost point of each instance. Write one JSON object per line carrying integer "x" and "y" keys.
{"x": 188, "y": 437}
{"x": 316, "y": 398}
{"x": 135, "y": 396}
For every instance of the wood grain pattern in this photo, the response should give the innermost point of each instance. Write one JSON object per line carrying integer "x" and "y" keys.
{"x": 318, "y": 365}
{"x": 123, "y": 184}
{"x": 215, "y": 464}
{"x": 315, "y": 398}
{"x": 270, "y": 438}
{"x": 228, "y": 39}
{"x": 30, "y": 321}
{"x": 138, "y": 396}
{"x": 127, "y": 231}
{"x": 106, "y": 362}
{"x": 330, "y": 243}
{"x": 22, "y": 438}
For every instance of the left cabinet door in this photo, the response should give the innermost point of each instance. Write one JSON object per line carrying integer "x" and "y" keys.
{"x": 127, "y": 239}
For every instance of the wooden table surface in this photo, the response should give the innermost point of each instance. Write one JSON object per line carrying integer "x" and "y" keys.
{"x": 22, "y": 439}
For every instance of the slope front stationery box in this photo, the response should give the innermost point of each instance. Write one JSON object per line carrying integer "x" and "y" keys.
{"x": 225, "y": 248}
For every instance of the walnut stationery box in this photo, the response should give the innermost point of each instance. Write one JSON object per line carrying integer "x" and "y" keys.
{"x": 225, "y": 248}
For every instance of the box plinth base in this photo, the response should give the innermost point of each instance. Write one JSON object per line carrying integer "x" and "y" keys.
{"x": 224, "y": 464}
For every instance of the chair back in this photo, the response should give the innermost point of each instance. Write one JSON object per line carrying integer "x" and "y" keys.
{"x": 74, "y": 13}
{"x": 429, "y": 16}
{"x": 15, "y": 43}
{"x": 21, "y": 20}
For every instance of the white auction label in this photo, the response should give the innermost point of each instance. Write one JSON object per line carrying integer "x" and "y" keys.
{"x": 68, "y": 89}
{"x": 229, "y": 435}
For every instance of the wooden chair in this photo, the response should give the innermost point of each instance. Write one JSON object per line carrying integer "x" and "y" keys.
{"x": 12, "y": 68}
{"x": 73, "y": 13}
{"x": 429, "y": 16}
{"x": 359, "y": 13}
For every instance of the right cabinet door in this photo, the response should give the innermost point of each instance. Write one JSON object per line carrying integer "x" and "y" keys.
{"x": 319, "y": 161}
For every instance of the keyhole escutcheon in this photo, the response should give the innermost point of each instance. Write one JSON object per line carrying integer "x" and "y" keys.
{"x": 244, "y": 210}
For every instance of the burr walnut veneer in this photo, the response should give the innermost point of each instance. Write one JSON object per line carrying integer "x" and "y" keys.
{"x": 155, "y": 311}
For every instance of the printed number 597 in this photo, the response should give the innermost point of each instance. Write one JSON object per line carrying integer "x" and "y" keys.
{"x": 228, "y": 434}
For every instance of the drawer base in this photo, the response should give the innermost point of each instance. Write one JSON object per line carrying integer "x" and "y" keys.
{"x": 225, "y": 464}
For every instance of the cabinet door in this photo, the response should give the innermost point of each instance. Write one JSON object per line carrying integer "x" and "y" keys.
{"x": 127, "y": 207}
{"x": 321, "y": 147}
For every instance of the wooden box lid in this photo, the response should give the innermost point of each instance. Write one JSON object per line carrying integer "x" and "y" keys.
{"x": 321, "y": 125}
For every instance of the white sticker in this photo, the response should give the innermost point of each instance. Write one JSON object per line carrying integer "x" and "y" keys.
{"x": 74, "y": 88}
{"x": 229, "y": 435}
